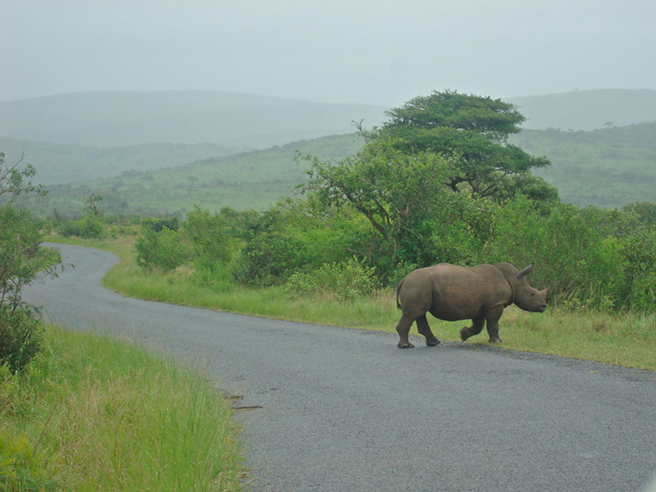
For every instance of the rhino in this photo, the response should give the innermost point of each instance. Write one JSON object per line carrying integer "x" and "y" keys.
{"x": 454, "y": 293}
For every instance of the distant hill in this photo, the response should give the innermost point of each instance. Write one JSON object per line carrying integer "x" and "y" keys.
{"x": 588, "y": 110}
{"x": 607, "y": 168}
{"x": 61, "y": 163}
{"x": 249, "y": 180}
{"x": 107, "y": 119}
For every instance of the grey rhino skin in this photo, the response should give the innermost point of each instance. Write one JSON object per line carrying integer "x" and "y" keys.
{"x": 453, "y": 293}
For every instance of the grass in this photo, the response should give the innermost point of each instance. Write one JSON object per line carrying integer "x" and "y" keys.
{"x": 620, "y": 339}
{"x": 95, "y": 414}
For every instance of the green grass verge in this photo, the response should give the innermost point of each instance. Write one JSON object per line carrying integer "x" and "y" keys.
{"x": 620, "y": 339}
{"x": 95, "y": 414}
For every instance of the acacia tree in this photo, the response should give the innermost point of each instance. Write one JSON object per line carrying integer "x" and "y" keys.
{"x": 474, "y": 130}
{"x": 402, "y": 195}
{"x": 21, "y": 261}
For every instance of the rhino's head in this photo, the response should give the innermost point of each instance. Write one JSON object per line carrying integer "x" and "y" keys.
{"x": 525, "y": 296}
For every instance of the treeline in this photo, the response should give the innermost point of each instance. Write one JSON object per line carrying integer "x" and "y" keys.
{"x": 437, "y": 183}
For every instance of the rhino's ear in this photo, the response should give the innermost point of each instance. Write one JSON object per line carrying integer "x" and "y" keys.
{"x": 524, "y": 272}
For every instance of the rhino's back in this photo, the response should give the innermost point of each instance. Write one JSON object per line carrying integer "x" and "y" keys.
{"x": 453, "y": 292}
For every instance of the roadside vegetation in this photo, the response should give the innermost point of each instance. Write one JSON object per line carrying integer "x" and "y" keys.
{"x": 86, "y": 413}
{"x": 95, "y": 414}
{"x": 440, "y": 181}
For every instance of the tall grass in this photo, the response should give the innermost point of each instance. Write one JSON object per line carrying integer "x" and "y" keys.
{"x": 105, "y": 415}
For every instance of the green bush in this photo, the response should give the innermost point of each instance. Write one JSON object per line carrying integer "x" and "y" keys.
{"x": 21, "y": 336}
{"x": 289, "y": 238}
{"x": 587, "y": 256}
{"x": 21, "y": 261}
{"x": 88, "y": 226}
{"x": 344, "y": 281}
{"x": 638, "y": 251}
{"x": 162, "y": 250}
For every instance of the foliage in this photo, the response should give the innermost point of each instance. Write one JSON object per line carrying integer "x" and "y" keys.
{"x": 644, "y": 210}
{"x": 21, "y": 466}
{"x": 21, "y": 261}
{"x": 608, "y": 168}
{"x": 161, "y": 250}
{"x": 344, "y": 281}
{"x": 213, "y": 240}
{"x": 109, "y": 415}
{"x": 475, "y": 130}
{"x": 592, "y": 256}
{"x": 414, "y": 217}
{"x": 156, "y": 224}
{"x": 89, "y": 226}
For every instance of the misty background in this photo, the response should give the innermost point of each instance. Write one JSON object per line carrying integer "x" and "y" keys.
{"x": 373, "y": 52}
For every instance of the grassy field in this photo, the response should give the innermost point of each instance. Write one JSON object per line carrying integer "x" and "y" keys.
{"x": 95, "y": 414}
{"x": 577, "y": 332}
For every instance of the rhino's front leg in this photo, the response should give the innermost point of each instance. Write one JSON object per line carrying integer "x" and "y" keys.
{"x": 492, "y": 318}
{"x": 424, "y": 329}
{"x": 474, "y": 329}
{"x": 403, "y": 328}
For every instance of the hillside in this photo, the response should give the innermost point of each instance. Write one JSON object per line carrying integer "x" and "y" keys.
{"x": 106, "y": 119}
{"x": 61, "y": 163}
{"x": 608, "y": 168}
{"x": 250, "y": 180}
{"x": 588, "y": 110}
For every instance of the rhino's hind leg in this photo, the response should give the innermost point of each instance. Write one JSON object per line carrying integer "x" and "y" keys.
{"x": 424, "y": 329}
{"x": 474, "y": 329}
{"x": 403, "y": 328}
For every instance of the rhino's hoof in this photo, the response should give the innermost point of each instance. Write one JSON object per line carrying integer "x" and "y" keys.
{"x": 464, "y": 333}
{"x": 405, "y": 345}
{"x": 495, "y": 340}
{"x": 432, "y": 343}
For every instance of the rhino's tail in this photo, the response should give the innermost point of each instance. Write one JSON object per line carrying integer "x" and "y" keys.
{"x": 398, "y": 289}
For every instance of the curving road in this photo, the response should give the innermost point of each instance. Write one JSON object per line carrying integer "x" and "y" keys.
{"x": 333, "y": 409}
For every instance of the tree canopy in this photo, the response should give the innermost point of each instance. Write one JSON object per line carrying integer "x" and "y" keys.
{"x": 474, "y": 130}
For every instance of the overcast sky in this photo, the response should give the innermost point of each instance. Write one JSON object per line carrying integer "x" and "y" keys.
{"x": 380, "y": 52}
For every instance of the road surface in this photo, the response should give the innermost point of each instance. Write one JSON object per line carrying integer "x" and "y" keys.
{"x": 332, "y": 409}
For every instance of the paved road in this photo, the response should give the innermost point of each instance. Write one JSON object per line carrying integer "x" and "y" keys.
{"x": 344, "y": 410}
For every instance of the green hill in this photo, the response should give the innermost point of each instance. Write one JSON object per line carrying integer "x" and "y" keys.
{"x": 608, "y": 168}
{"x": 60, "y": 163}
{"x": 250, "y": 180}
{"x": 588, "y": 110}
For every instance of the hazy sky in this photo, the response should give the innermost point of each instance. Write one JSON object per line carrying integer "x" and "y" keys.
{"x": 380, "y": 52}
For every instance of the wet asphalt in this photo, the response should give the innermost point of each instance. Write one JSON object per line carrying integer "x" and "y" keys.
{"x": 331, "y": 409}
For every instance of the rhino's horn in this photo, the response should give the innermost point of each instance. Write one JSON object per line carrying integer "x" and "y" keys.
{"x": 525, "y": 271}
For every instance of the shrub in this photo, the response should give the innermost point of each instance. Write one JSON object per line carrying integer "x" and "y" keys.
{"x": 21, "y": 261}
{"x": 21, "y": 336}
{"x": 162, "y": 250}
{"x": 88, "y": 226}
{"x": 345, "y": 281}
